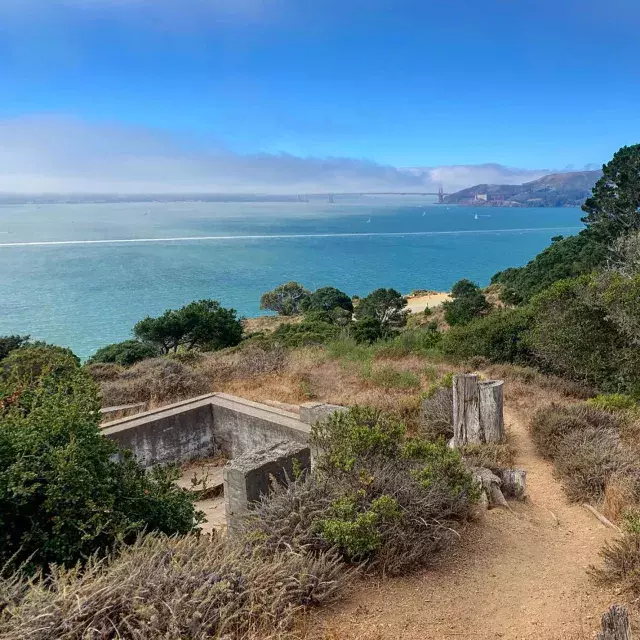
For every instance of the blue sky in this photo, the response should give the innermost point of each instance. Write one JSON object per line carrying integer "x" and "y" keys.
{"x": 532, "y": 84}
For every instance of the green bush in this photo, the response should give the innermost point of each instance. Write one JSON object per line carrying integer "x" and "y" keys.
{"x": 10, "y": 343}
{"x": 347, "y": 437}
{"x": 420, "y": 341}
{"x": 613, "y": 402}
{"x": 366, "y": 330}
{"x": 327, "y": 299}
{"x": 356, "y": 530}
{"x": 572, "y": 335}
{"x": 24, "y": 366}
{"x": 62, "y": 494}
{"x": 468, "y": 303}
{"x": 500, "y": 336}
{"x": 386, "y": 503}
{"x": 308, "y": 332}
{"x": 387, "y": 306}
{"x": 124, "y": 353}
{"x": 564, "y": 258}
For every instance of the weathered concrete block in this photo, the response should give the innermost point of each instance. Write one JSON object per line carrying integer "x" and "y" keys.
{"x": 312, "y": 412}
{"x": 248, "y": 477}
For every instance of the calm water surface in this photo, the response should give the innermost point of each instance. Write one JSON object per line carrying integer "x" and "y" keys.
{"x": 58, "y": 284}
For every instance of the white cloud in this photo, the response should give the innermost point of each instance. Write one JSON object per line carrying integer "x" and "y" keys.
{"x": 65, "y": 155}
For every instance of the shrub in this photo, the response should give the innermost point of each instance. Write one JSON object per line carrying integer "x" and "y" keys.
{"x": 327, "y": 299}
{"x": 387, "y": 306}
{"x": 552, "y": 424}
{"x": 10, "y": 343}
{"x": 366, "y": 330}
{"x": 159, "y": 380}
{"x": 124, "y": 353}
{"x": 286, "y": 299}
{"x": 24, "y": 366}
{"x": 436, "y": 413}
{"x": 103, "y": 371}
{"x": 309, "y": 332}
{"x": 468, "y": 303}
{"x": 573, "y": 337}
{"x": 202, "y": 324}
{"x": 564, "y": 258}
{"x": 174, "y": 588}
{"x": 621, "y": 559}
{"x": 500, "y": 336}
{"x": 62, "y": 496}
{"x": 387, "y": 497}
{"x": 420, "y": 341}
{"x": 587, "y": 459}
{"x": 613, "y": 402}
{"x": 391, "y": 378}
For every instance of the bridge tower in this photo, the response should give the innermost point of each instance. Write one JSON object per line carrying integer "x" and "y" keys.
{"x": 440, "y": 195}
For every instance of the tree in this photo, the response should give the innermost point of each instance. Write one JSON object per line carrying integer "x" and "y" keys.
{"x": 564, "y": 258}
{"x": 468, "y": 303}
{"x": 614, "y": 207}
{"x": 286, "y": 299}
{"x": 63, "y": 495}
{"x": 327, "y": 299}
{"x": 201, "y": 325}
{"x": 9, "y": 343}
{"x": 366, "y": 330}
{"x": 124, "y": 353}
{"x": 387, "y": 306}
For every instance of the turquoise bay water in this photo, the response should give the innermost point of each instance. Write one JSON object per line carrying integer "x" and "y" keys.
{"x": 58, "y": 284}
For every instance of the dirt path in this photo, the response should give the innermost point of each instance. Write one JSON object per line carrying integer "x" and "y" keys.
{"x": 520, "y": 575}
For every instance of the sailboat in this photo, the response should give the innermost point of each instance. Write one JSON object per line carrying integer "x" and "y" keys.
{"x": 476, "y": 216}
{"x": 424, "y": 213}
{"x": 369, "y": 220}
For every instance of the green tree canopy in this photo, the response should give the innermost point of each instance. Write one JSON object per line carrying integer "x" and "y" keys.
{"x": 387, "y": 306}
{"x": 9, "y": 343}
{"x": 201, "y": 325}
{"x": 468, "y": 303}
{"x": 614, "y": 207}
{"x": 286, "y": 299}
{"x": 564, "y": 258}
{"x": 125, "y": 353}
{"x": 327, "y": 299}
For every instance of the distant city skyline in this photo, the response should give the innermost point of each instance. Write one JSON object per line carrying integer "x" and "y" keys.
{"x": 280, "y": 96}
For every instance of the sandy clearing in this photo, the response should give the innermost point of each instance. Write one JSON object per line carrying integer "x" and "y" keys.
{"x": 417, "y": 304}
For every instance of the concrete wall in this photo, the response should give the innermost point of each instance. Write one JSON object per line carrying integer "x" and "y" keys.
{"x": 242, "y": 426}
{"x": 209, "y": 425}
{"x": 173, "y": 434}
{"x": 249, "y": 476}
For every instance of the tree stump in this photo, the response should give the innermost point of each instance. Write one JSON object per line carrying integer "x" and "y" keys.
{"x": 514, "y": 482}
{"x": 615, "y": 624}
{"x": 466, "y": 413}
{"x": 490, "y": 486}
{"x": 491, "y": 411}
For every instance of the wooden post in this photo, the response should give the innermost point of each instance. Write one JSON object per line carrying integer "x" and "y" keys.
{"x": 466, "y": 414}
{"x": 491, "y": 411}
{"x": 615, "y": 624}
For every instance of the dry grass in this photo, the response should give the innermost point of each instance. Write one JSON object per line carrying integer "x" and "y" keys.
{"x": 171, "y": 589}
{"x": 268, "y": 324}
{"x": 492, "y": 455}
{"x": 157, "y": 381}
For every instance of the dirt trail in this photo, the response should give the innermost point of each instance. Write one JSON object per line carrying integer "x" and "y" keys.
{"x": 520, "y": 575}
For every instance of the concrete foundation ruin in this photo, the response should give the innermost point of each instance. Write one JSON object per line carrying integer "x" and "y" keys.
{"x": 262, "y": 443}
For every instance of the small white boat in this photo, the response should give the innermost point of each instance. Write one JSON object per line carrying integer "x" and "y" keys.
{"x": 369, "y": 220}
{"x": 424, "y": 213}
{"x": 476, "y": 216}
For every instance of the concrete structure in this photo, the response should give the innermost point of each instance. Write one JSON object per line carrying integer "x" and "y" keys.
{"x": 249, "y": 476}
{"x": 312, "y": 412}
{"x": 211, "y": 425}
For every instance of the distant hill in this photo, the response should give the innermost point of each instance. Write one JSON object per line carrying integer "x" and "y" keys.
{"x": 555, "y": 190}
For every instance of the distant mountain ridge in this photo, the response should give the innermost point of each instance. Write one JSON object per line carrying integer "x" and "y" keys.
{"x": 555, "y": 190}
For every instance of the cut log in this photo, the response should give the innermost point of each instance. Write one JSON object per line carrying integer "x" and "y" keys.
{"x": 491, "y": 412}
{"x": 607, "y": 523}
{"x": 466, "y": 415}
{"x": 514, "y": 482}
{"x": 615, "y": 624}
